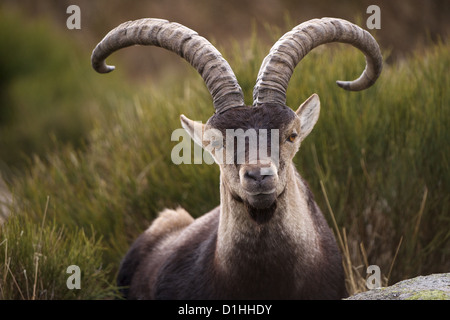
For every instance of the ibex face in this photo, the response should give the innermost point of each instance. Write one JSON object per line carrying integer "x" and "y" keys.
{"x": 256, "y": 144}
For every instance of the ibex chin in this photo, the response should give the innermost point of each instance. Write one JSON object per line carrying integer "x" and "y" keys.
{"x": 267, "y": 239}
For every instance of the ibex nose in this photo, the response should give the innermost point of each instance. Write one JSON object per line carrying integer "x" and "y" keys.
{"x": 258, "y": 173}
{"x": 254, "y": 174}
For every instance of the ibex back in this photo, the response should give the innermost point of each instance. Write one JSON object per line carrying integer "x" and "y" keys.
{"x": 267, "y": 239}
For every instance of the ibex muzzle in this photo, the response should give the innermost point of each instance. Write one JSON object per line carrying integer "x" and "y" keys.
{"x": 260, "y": 184}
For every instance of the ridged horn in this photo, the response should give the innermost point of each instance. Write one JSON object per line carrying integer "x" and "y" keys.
{"x": 199, "y": 52}
{"x": 278, "y": 66}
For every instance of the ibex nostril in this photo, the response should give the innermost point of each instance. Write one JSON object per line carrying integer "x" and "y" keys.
{"x": 254, "y": 174}
{"x": 267, "y": 171}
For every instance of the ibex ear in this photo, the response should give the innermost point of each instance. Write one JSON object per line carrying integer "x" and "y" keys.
{"x": 308, "y": 113}
{"x": 208, "y": 138}
{"x": 194, "y": 128}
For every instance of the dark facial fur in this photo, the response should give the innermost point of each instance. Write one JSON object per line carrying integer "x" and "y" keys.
{"x": 266, "y": 116}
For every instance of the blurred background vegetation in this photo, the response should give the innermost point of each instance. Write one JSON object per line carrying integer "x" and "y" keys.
{"x": 86, "y": 157}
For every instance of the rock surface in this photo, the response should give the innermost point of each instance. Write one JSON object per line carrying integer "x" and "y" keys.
{"x": 431, "y": 287}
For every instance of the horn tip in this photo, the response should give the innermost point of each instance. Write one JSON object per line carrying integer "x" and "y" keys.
{"x": 105, "y": 69}
{"x": 346, "y": 85}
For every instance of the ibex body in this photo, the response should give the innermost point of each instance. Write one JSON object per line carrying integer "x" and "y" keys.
{"x": 267, "y": 239}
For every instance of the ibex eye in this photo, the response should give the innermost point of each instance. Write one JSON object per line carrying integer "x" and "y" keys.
{"x": 292, "y": 137}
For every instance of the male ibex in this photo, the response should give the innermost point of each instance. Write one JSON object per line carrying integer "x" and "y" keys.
{"x": 267, "y": 239}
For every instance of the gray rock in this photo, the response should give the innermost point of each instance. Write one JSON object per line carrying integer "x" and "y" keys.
{"x": 431, "y": 287}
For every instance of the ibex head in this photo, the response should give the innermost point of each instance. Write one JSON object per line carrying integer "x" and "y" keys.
{"x": 254, "y": 145}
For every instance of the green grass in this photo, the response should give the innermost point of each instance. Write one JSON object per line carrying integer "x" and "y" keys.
{"x": 35, "y": 258}
{"x": 381, "y": 155}
{"x": 47, "y": 90}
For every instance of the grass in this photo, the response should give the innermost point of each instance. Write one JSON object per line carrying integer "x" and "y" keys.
{"x": 47, "y": 90}
{"x": 377, "y": 162}
{"x": 35, "y": 258}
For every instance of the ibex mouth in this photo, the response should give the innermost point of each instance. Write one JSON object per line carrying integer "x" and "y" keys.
{"x": 261, "y": 192}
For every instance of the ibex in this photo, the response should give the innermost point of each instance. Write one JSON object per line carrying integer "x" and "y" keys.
{"x": 268, "y": 238}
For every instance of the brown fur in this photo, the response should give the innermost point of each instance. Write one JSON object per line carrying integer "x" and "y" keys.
{"x": 263, "y": 267}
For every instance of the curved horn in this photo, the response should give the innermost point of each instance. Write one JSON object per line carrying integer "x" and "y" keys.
{"x": 199, "y": 52}
{"x": 278, "y": 66}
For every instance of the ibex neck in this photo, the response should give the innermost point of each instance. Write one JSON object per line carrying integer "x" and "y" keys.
{"x": 289, "y": 235}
